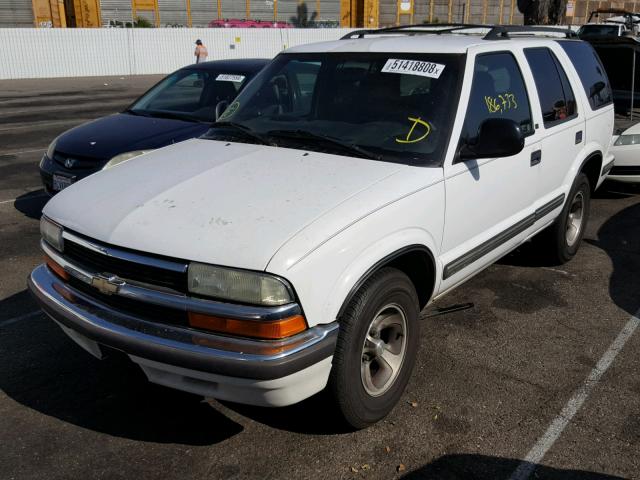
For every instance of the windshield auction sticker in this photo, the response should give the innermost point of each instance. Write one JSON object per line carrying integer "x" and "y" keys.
{"x": 413, "y": 67}
{"x": 227, "y": 77}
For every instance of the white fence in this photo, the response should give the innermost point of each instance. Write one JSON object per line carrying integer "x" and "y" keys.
{"x": 47, "y": 53}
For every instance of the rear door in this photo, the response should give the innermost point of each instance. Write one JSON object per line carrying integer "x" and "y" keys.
{"x": 563, "y": 127}
{"x": 596, "y": 91}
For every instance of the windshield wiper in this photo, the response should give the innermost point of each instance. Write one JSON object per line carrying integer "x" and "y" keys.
{"x": 138, "y": 113}
{"x": 327, "y": 139}
{"x": 243, "y": 129}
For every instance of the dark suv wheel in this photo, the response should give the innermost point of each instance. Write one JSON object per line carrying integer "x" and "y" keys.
{"x": 563, "y": 237}
{"x": 376, "y": 348}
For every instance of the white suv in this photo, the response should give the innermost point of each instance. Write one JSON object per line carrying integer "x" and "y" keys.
{"x": 293, "y": 247}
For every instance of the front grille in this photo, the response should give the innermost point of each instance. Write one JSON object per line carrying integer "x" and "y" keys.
{"x": 146, "y": 311}
{"x": 77, "y": 162}
{"x": 625, "y": 170}
{"x": 124, "y": 269}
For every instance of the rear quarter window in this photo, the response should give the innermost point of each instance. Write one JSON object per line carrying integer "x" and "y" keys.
{"x": 557, "y": 101}
{"x": 592, "y": 74}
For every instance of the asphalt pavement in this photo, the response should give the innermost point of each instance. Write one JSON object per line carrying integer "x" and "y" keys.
{"x": 543, "y": 367}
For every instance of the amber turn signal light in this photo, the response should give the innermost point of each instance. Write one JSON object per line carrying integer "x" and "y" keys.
{"x": 56, "y": 268}
{"x": 268, "y": 330}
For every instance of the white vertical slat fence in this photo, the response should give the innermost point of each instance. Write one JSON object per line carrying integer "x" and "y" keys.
{"x": 48, "y": 53}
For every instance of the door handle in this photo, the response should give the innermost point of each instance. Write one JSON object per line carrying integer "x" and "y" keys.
{"x": 536, "y": 157}
{"x": 578, "y": 137}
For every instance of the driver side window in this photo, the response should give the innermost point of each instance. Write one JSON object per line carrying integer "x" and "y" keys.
{"x": 497, "y": 91}
{"x": 183, "y": 95}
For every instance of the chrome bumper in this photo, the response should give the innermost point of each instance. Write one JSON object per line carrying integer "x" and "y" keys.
{"x": 179, "y": 346}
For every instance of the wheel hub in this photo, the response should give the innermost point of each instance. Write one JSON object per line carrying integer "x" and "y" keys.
{"x": 575, "y": 219}
{"x": 383, "y": 350}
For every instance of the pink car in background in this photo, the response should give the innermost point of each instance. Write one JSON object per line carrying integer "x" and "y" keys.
{"x": 237, "y": 23}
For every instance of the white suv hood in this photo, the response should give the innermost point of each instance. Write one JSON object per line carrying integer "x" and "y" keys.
{"x": 224, "y": 203}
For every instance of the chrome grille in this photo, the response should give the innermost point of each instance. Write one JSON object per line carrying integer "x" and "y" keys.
{"x": 126, "y": 264}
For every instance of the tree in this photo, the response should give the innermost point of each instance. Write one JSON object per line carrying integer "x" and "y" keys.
{"x": 142, "y": 22}
{"x": 302, "y": 20}
{"x": 542, "y": 12}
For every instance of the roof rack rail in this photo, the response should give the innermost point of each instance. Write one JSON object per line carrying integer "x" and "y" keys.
{"x": 495, "y": 32}
{"x": 416, "y": 28}
{"x": 501, "y": 32}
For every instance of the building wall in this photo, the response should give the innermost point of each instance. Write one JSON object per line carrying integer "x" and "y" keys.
{"x": 173, "y": 12}
{"x": 448, "y": 11}
{"x": 202, "y": 12}
{"x": 115, "y": 10}
{"x": 16, "y": 13}
{"x": 19, "y": 13}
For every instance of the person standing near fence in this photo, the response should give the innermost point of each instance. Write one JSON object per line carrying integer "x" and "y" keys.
{"x": 201, "y": 52}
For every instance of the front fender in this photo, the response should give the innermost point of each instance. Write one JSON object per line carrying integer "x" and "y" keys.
{"x": 324, "y": 279}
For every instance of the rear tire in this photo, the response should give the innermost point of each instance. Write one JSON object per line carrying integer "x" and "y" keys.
{"x": 376, "y": 348}
{"x": 563, "y": 237}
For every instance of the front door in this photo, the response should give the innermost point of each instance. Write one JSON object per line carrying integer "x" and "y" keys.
{"x": 489, "y": 202}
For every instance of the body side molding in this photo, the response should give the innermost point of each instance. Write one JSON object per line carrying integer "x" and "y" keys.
{"x": 484, "y": 248}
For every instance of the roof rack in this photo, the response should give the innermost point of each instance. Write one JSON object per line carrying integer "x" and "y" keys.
{"x": 500, "y": 32}
{"x": 496, "y": 32}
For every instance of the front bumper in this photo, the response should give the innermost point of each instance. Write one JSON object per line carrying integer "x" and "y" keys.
{"x": 625, "y": 173}
{"x": 627, "y": 163}
{"x": 272, "y": 373}
{"x": 48, "y": 167}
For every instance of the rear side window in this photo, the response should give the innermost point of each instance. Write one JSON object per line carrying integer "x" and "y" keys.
{"x": 592, "y": 74}
{"x": 554, "y": 91}
{"x": 497, "y": 91}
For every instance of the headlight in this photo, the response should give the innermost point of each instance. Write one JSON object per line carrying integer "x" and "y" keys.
{"x": 238, "y": 285}
{"x": 51, "y": 233}
{"x": 628, "y": 140}
{"x": 52, "y": 148}
{"x": 123, "y": 157}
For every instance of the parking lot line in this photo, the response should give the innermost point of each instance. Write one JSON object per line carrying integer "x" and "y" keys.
{"x": 26, "y": 316}
{"x": 2, "y": 202}
{"x": 31, "y": 125}
{"x": 537, "y": 453}
{"x": 20, "y": 152}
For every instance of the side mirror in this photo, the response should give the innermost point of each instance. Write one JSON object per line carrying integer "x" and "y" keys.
{"x": 221, "y": 107}
{"x": 497, "y": 137}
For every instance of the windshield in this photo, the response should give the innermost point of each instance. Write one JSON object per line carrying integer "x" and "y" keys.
{"x": 190, "y": 95}
{"x": 604, "y": 30}
{"x": 395, "y": 107}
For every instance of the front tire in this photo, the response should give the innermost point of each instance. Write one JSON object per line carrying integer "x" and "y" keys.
{"x": 563, "y": 237}
{"x": 376, "y": 348}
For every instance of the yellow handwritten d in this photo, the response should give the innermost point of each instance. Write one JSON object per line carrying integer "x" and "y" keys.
{"x": 415, "y": 121}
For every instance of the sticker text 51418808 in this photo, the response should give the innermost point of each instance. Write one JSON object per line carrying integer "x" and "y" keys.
{"x": 413, "y": 67}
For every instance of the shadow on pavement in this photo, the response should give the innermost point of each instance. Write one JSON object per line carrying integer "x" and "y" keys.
{"x": 612, "y": 190}
{"x": 297, "y": 418}
{"x": 482, "y": 467}
{"x": 45, "y": 371}
{"x": 21, "y": 303}
{"x": 619, "y": 237}
{"x": 32, "y": 203}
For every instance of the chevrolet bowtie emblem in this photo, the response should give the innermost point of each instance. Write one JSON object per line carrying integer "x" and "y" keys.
{"x": 107, "y": 285}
